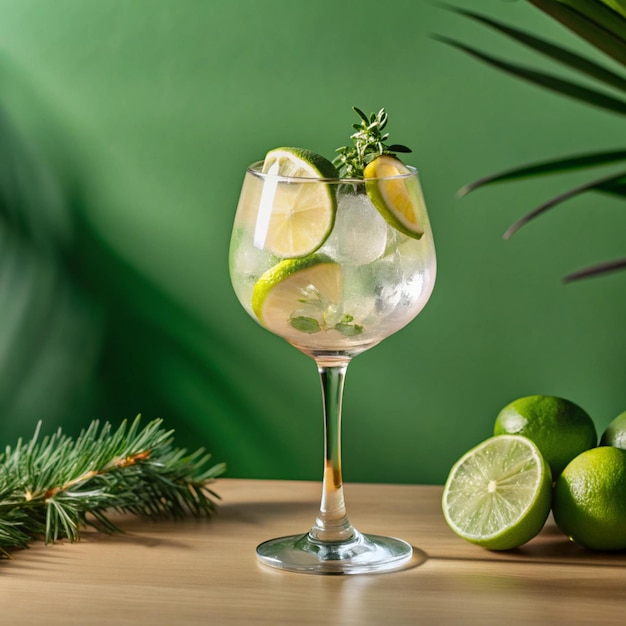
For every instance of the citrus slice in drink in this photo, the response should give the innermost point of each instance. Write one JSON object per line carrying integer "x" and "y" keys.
{"x": 295, "y": 218}
{"x": 397, "y": 196}
{"x": 498, "y": 494}
{"x": 297, "y": 294}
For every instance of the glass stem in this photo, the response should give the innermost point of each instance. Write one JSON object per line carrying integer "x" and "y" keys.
{"x": 332, "y": 524}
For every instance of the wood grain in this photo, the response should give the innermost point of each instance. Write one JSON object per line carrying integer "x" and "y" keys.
{"x": 206, "y": 572}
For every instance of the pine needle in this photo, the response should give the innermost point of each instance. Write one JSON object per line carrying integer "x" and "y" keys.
{"x": 54, "y": 486}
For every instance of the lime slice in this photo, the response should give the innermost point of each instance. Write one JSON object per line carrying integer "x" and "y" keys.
{"x": 498, "y": 495}
{"x": 295, "y": 219}
{"x": 297, "y": 294}
{"x": 398, "y": 198}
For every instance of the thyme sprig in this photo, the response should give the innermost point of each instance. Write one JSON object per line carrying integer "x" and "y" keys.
{"x": 369, "y": 143}
{"x": 53, "y": 486}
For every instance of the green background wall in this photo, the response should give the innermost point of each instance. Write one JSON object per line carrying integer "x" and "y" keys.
{"x": 125, "y": 128}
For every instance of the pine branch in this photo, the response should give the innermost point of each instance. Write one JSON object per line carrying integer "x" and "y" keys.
{"x": 54, "y": 486}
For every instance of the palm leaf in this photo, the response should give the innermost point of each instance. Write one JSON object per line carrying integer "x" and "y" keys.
{"x": 552, "y": 167}
{"x": 601, "y": 13}
{"x": 550, "y": 50}
{"x": 597, "y": 270}
{"x": 617, "y": 187}
{"x": 603, "y": 24}
{"x": 585, "y": 25}
{"x": 616, "y": 5}
{"x": 559, "y": 85}
{"x": 590, "y": 186}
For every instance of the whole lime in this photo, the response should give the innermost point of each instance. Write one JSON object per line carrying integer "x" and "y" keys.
{"x": 589, "y": 503}
{"x": 615, "y": 433}
{"x": 560, "y": 428}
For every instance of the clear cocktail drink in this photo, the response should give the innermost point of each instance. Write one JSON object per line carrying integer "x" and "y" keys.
{"x": 365, "y": 282}
{"x": 333, "y": 264}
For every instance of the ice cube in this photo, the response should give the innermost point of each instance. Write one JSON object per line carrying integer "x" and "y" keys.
{"x": 360, "y": 233}
{"x": 245, "y": 258}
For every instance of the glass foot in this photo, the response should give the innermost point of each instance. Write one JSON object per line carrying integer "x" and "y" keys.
{"x": 359, "y": 555}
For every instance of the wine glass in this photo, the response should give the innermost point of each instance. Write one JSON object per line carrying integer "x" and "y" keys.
{"x": 370, "y": 278}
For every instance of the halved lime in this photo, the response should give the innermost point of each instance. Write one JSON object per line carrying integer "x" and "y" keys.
{"x": 398, "y": 198}
{"x": 297, "y": 294}
{"x": 296, "y": 217}
{"x": 498, "y": 494}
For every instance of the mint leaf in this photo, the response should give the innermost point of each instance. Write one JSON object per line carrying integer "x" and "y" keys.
{"x": 349, "y": 330}
{"x": 305, "y": 324}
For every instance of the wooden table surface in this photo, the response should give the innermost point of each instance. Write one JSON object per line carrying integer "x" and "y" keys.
{"x": 206, "y": 572}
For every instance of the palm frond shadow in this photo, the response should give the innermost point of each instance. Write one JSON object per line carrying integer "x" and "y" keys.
{"x": 84, "y": 334}
{"x": 49, "y": 333}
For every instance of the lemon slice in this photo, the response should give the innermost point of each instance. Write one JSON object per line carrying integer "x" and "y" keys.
{"x": 398, "y": 198}
{"x": 310, "y": 284}
{"x": 295, "y": 218}
{"x": 498, "y": 495}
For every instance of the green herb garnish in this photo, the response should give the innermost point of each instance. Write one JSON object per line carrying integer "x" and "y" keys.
{"x": 369, "y": 143}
